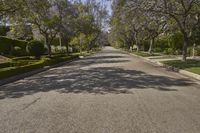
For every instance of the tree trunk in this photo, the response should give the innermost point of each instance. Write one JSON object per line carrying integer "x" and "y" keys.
{"x": 60, "y": 40}
{"x": 151, "y": 45}
{"x": 138, "y": 47}
{"x": 67, "y": 48}
{"x": 48, "y": 46}
{"x": 185, "y": 45}
{"x": 49, "y": 49}
{"x": 137, "y": 42}
{"x": 80, "y": 46}
{"x": 193, "y": 50}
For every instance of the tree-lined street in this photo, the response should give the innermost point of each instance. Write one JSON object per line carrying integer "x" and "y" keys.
{"x": 97, "y": 66}
{"x": 109, "y": 92}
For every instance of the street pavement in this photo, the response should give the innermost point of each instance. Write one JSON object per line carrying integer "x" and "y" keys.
{"x": 109, "y": 92}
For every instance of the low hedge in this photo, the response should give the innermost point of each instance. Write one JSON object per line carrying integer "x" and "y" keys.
{"x": 6, "y": 64}
{"x": 23, "y": 58}
{"x": 58, "y": 60}
{"x": 11, "y": 71}
{"x": 45, "y": 61}
{"x": 17, "y": 63}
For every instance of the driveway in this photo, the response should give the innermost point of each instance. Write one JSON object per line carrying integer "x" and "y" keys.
{"x": 109, "y": 92}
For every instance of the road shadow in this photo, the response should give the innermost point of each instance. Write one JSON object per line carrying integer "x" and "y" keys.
{"x": 100, "y": 80}
{"x": 106, "y": 57}
{"x": 103, "y": 59}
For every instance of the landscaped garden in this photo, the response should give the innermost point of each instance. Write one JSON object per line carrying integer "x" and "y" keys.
{"x": 27, "y": 56}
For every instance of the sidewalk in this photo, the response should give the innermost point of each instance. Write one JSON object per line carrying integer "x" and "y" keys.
{"x": 159, "y": 59}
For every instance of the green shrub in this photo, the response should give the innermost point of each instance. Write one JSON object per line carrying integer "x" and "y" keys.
{"x": 36, "y": 48}
{"x": 22, "y": 58}
{"x": 196, "y": 51}
{"x": 17, "y": 51}
{"x": 169, "y": 51}
{"x": 55, "y": 42}
{"x": 11, "y": 71}
{"x": 5, "y": 45}
{"x": 23, "y": 66}
{"x": 4, "y": 30}
{"x": 161, "y": 44}
{"x": 3, "y": 65}
{"x": 17, "y": 63}
{"x": 176, "y": 41}
{"x": 8, "y": 45}
{"x": 158, "y": 50}
{"x": 145, "y": 45}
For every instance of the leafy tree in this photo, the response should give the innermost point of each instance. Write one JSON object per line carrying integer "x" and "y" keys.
{"x": 40, "y": 14}
{"x": 185, "y": 14}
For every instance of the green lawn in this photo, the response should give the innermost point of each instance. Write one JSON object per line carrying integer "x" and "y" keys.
{"x": 145, "y": 54}
{"x": 189, "y": 65}
{"x": 194, "y": 70}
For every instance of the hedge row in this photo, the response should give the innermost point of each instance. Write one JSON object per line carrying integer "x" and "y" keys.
{"x": 12, "y": 71}
{"x": 12, "y": 46}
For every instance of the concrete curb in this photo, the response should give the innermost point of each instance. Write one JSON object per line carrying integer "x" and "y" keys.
{"x": 28, "y": 74}
{"x": 170, "y": 68}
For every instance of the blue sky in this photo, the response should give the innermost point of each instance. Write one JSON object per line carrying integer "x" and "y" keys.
{"x": 107, "y": 3}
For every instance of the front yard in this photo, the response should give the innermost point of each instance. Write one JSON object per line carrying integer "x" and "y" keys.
{"x": 190, "y": 65}
{"x": 22, "y": 65}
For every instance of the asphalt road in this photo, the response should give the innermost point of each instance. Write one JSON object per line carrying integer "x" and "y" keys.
{"x": 109, "y": 92}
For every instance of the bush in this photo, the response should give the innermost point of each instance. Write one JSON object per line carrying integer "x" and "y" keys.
{"x": 4, "y": 30}
{"x": 17, "y": 63}
{"x": 23, "y": 66}
{"x": 159, "y": 50}
{"x": 17, "y": 51}
{"x": 3, "y": 65}
{"x": 58, "y": 59}
{"x": 176, "y": 41}
{"x": 5, "y": 45}
{"x": 145, "y": 45}
{"x": 196, "y": 51}
{"x": 161, "y": 44}
{"x": 36, "y": 48}
{"x": 23, "y": 58}
{"x": 11, "y": 71}
{"x": 169, "y": 51}
{"x": 8, "y": 46}
{"x": 58, "y": 49}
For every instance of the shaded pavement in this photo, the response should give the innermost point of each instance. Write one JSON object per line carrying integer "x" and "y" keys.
{"x": 109, "y": 92}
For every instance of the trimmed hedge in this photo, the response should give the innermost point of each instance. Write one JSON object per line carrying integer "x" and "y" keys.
{"x": 6, "y": 64}
{"x": 11, "y": 71}
{"x": 17, "y": 63}
{"x": 35, "y": 48}
{"x": 8, "y": 46}
{"x": 45, "y": 61}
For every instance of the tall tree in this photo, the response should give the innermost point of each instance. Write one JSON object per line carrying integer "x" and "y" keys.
{"x": 186, "y": 14}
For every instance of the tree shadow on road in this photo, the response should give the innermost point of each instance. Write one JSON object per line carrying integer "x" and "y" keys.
{"x": 100, "y": 80}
